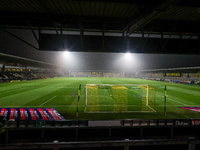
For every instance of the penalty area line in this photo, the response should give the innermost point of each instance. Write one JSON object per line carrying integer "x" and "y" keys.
{"x": 47, "y": 101}
{"x": 177, "y": 101}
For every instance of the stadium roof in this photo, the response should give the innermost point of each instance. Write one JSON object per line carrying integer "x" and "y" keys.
{"x": 127, "y": 17}
{"x": 118, "y": 15}
{"x": 182, "y": 69}
{"x": 26, "y": 61}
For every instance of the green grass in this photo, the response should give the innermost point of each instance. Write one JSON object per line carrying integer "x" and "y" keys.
{"x": 57, "y": 93}
{"x": 119, "y": 98}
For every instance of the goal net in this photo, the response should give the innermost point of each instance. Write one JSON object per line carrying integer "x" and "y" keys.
{"x": 108, "y": 98}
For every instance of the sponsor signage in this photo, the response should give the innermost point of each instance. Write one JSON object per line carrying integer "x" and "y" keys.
{"x": 195, "y": 121}
{"x": 181, "y": 122}
{"x": 31, "y": 114}
{"x": 197, "y": 75}
{"x": 173, "y": 74}
{"x": 96, "y": 73}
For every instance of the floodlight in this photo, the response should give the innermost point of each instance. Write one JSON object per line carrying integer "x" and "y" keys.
{"x": 128, "y": 55}
{"x": 65, "y": 53}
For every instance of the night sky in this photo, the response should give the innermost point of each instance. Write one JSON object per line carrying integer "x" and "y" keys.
{"x": 92, "y": 61}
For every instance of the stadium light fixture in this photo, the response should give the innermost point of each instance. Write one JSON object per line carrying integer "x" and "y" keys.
{"x": 128, "y": 55}
{"x": 65, "y": 53}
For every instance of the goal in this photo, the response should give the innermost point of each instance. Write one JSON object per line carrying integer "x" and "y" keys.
{"x": 116, "y": 98}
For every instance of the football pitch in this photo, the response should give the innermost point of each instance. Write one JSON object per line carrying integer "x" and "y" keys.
{"x": 112, "y": 102}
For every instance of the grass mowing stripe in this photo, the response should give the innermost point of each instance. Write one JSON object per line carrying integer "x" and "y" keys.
{"x": 48, "y": 93}
{"x": 10, "y": 91}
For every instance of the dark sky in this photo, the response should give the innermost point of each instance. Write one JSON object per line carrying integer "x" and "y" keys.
{"x": 92, "y": 61}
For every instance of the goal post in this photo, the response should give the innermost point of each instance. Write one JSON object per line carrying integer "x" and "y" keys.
{"x": 116, "y": 98}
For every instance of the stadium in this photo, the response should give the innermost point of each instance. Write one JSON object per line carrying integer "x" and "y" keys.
{"x": 105, "y": 74}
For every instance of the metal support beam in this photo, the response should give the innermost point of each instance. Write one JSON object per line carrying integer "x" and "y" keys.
{"x": 61, "y": 30}
{"x": 39, "y": 33}
{"x": 81, "y": 35}
{"x": 19, "y": 38}
{"x": 167, "y": 39}
{"x": 186, "y": 42}
{"x": 56, "y": 29}
{"x": 147, "y": 38}
{"x": 161, "y": 41}
{"x": 33, "y": 32}
{"x": 80, "y": 8}
{"x": 127, "y": 41}
{"x": 199, "y": 42}
{"x": 136, "y": 25}
{"x": 143, "y": 39}
{"x": 124, "y": 41}
{"x": 58, "y": 35}
{"x": 142, "y": 12}
{"x": 180, "y": 43}
{"x": 103, "y": 35}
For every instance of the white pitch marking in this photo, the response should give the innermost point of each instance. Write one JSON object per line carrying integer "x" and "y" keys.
{"x": 177, "y": 101}
{"x": 47, "y": 101}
